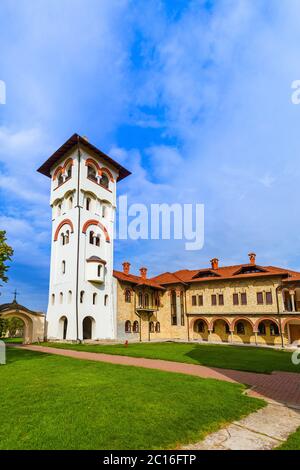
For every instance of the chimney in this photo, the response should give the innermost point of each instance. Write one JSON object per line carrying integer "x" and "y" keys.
{"x": 252, "y": 258}
{"x": 126, "y": 267}
{"x": 143, "y": 272}
{"x": 214, "y": 263}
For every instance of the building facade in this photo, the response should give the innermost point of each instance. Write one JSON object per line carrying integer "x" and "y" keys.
{"x": 246, "y": 303}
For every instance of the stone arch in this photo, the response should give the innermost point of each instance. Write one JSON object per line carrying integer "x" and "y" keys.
{"x": 241, "y": 318}
{"x": 286, "y": 321}
{"x": 246, "y": 335}
{"x": 259, "y": 320}
{"x": 34, "y": 322}
{"x": 213, "y": 320}
{"x": 98, "y": 224}
{"x": 62, "y": 223}
{"x": 203, "y": 335}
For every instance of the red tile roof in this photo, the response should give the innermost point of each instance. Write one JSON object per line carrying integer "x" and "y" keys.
{"x": 186, "y": 276}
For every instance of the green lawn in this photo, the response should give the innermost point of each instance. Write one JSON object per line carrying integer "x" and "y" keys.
{"x": 54, "y": 402}
{"x": 213, "y": 355}
{"x": 293, "y": 442}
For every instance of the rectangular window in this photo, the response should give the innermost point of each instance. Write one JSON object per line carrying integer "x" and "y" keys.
{"x": 194, "y": 300}
{"x": 260, "y": 298}
{"x": 269, "y": 298}
{"x": 243, "y": 298}
{"x": 221, "y": 299}
{"x": 200, "y": 300}
{"x": 235, "y": 299}
{"x": 214, "y": 299}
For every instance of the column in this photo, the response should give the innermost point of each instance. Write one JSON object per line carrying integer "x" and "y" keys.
{"x": 178, "y": 308}
{"x": 292, "y": 294}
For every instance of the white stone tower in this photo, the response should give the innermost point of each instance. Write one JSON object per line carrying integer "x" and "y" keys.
{"x": 83, "y": 200}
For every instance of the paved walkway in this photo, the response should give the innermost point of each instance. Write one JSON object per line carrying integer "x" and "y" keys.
{"x": 263, "y": 430}
{"x": 282, "y": 387}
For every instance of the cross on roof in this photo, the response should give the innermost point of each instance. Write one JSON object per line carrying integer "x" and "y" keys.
{"x": 15, "y": 295}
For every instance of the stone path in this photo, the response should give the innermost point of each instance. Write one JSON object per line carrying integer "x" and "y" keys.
{"x": 283, "y": 387}
{"x": 263, "y": 430}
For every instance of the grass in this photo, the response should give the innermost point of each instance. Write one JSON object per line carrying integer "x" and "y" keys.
{"x": 293, "y": 442}
{"x": 54, "y": 402}
{"x": 229, "y": 357}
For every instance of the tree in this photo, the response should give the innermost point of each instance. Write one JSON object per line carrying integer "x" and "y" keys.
{"x": 6, "y": 253}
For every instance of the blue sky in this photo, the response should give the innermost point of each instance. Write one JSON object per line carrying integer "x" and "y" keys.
{"x": 194, "y": 97}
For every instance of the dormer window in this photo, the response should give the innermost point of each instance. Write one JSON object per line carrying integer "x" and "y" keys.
{"x": 207, "y": 273}
{"x": 250, "y": 270}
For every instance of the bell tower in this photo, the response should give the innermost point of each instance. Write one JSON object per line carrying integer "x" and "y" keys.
{"x": 83, "y": 201}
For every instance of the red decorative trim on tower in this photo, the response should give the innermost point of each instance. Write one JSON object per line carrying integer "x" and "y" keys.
{"x": 62, "y": 168}
{"x": 90, "y": 161}
{"x": 109, "y": 174}
{"x": 62, "y": 223}
{"x": 98, "y": 224}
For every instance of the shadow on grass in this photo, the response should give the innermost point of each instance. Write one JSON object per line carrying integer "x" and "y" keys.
{"x": 13, "y": 354}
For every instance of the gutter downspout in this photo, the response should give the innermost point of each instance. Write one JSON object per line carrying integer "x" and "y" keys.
{"x": 78, "y": 241}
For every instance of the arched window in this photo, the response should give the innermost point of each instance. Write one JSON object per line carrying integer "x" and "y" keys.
{"x": 127, "y": 296}
{"x": 88, "y": 203}
{"x": 104, "y": 211}
{"x": 151, "y": 327}
{"x": 69, "y": 296}
{"x": 135, "y": 327}
{"x": 227, "y": 330}
{"x": 94, "y": 299}
{"x": 81, "y": 296}
{"x": 63, "y": 239}
{"x": 59, "y": 210}
{"x": 69, "y": 172}
{"x": 106, "y": 299}
{"x": 128, "y": 326}
{"x": 61, "y": 297}
{"x": 99, "y": 270}
{"x": 70, "y": 202}
{"x": 60, "y": 179}
{"x": 200, "y": 326}
{"x": 140, "y": 299}
{"x": 262, "y": 329}
{"x": 173, "y": 308}
{"x": 91, "y": 173}
{"x": 240, "y": 328}
{"x": 67, "y": 237}
{"x": 157, "y": 327}
{"x": 53, "y": 299}
{"x": 146, "y": 300}
{"x": 274, "y": 330}
{"x": 63, "y": 267}
{"x": 97, "y": 240}
{"x": 91, "y": 237}
{"x": 64, "y": 321}
{"x": 104, "y": 181}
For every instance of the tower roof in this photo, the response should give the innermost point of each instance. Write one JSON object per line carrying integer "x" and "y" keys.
{"x": 71, "y": 142}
